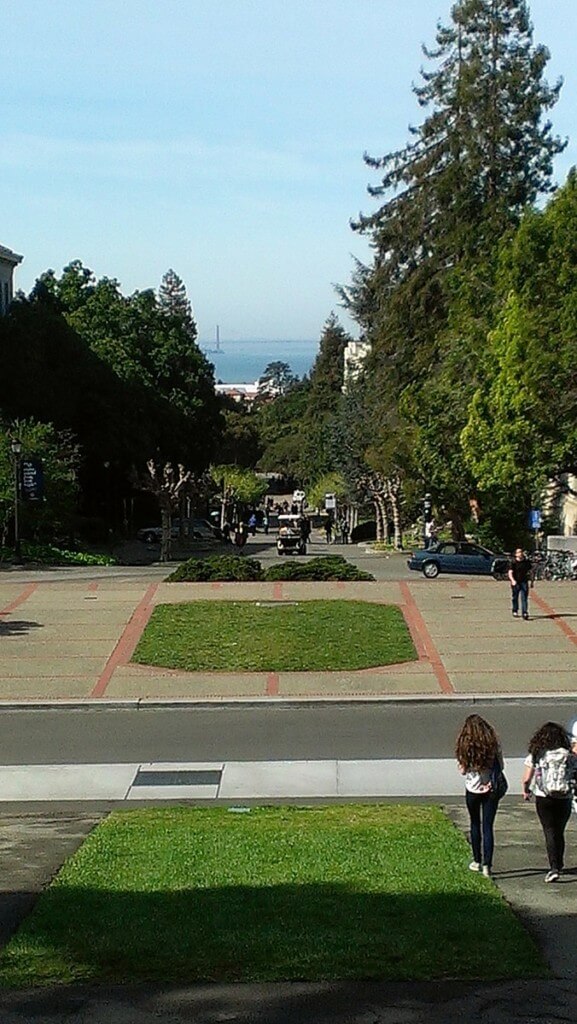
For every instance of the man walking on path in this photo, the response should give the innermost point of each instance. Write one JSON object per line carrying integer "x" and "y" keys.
{"x": 520, "y": 574}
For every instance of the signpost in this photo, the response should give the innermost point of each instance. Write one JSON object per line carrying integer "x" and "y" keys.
{"x": 535, "y": 520}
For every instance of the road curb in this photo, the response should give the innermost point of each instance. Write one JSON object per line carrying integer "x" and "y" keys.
{"x": 145, "y": 703}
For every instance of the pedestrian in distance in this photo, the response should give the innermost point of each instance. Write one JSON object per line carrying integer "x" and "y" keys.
{"x": 329, "y": 529}
{"x": 252, "y": 524}
{"x": 345, "y": 531}
{"x": 480, "y": 760}
{"x": 520, "y": 577}
{"x": 240, "y": 535}
{"x": 549, "y": 776}
{"x": 265, "y": 520}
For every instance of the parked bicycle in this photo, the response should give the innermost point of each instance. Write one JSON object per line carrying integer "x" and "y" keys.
{"x": 555, "y": 565}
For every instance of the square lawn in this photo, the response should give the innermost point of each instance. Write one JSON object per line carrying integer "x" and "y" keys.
{"x": 274, "y": 636}
{"x": 347, "y": 891}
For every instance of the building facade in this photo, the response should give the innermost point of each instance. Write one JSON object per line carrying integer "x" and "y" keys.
{"x": 354, "y": 357}
{"x": 8, "y": 261}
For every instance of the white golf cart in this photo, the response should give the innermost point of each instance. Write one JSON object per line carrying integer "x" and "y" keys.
{"x": 291, "y": 538}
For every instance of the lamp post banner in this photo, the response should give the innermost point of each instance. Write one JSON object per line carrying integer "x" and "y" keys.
{"x": 31, "y": 480}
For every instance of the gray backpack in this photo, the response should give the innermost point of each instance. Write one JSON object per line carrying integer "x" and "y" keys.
{"x": 553, "y": 774}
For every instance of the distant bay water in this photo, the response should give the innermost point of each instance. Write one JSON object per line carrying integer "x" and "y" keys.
{"x": 243, "y": 362}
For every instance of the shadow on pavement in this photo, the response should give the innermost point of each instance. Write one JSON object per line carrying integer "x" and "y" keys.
{"x": 17, "y": 627}
{"x": 364, "y": 1002}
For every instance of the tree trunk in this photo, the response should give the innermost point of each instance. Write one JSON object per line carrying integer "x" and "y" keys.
{"x": 381, "y": 516}
{"x": 165, "y": 541}
{"x": 396, "y": 514}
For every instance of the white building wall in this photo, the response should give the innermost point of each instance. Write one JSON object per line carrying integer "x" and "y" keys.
{"x": 354, "y": 356}
{"x": 8, "y": 261}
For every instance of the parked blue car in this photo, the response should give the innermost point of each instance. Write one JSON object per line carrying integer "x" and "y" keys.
{"x": 458, "y": 557}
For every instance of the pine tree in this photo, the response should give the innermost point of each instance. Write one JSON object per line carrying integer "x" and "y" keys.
{"x": 174, "y": 302}
{"x": 482, "y": 154}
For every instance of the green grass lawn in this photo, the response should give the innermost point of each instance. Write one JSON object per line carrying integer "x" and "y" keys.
{"x": 188, "y": 895}
{"x": 244, "y": 636}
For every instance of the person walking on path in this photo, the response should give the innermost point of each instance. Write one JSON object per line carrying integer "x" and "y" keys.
{"x": 550, "y": 773}
{"x": 480, "y": 760}
{"x": 329, "y": 528}
{"x": 520, "y": 575}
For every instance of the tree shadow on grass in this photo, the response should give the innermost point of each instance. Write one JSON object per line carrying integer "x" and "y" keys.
{"x": 295, "y": 932}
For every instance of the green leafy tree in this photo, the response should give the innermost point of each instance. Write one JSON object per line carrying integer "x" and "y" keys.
{"x": 522, "y": 426}
{"x": 280, "y": 431}
{"x": 331, "y": 483}
{"x": 240, "y": 441}
{"x": 53, "y": 517}
{"x": 482, "y": 154}
{"x": 237, "y": 488}
{"x": 149, "y": 346}
{"x": 277, "y": 378}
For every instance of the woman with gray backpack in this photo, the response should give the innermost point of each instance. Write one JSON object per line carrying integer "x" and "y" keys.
{"x": 550, "y": 774}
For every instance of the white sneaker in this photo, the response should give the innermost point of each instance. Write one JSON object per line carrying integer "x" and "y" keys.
{"x": 474, "y": 866}
{"x": 486, "y": 871}
{"x": 552, "y": 876}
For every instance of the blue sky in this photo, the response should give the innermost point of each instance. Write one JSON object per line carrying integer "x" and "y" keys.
{"x": 223, "y": 138}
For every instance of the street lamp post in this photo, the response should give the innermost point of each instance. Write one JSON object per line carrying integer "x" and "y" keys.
{"x": 16, "y": 448}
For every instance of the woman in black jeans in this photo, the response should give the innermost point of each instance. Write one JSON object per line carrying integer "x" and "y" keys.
{"x": 476, "y": 750}
{"x": 550, "y": 770}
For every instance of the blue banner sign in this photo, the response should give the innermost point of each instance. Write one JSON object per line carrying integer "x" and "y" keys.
{"x": 31, "y": 480}
{"x": 535, "y": 519}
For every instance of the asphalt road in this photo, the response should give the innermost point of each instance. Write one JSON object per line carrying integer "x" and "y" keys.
{"x": 263, "y": 547}
{"x": 252, "y": 733}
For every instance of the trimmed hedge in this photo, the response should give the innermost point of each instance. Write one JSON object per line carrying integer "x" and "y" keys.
{"x": 239, "y": 569}
{"x": 329, "y": 567}
{"x": 218, "y": 568}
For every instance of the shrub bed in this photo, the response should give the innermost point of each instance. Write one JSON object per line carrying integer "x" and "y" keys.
{"x": 239, "y": 569}
{"x": 47, "y": 554}
{"x": 330, "y": 567}
{"x": 218, "y": 568}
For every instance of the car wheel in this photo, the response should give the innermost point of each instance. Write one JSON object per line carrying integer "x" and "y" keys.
{"x": 430, "y": 570}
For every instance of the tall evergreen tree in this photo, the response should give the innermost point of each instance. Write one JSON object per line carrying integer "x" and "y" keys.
{"x": 323, "y": 400}
{"x": 174, "y": 302}
{"x": 482, "y": 155}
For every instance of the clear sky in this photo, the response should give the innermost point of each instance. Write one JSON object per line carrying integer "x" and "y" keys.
{"x": 223, "y": 138}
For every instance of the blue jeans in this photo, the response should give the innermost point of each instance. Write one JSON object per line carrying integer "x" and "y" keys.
{"x": 523, "y": 590}
{"x": 485, "y": 804}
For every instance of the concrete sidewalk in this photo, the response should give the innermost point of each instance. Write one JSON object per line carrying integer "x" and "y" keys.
{"x": 73, "y": 640}
{"x": 34, "y": 846}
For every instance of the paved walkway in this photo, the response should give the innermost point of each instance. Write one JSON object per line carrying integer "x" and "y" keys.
{"x": 73, "y": 640}
{"x": 239, "y": 780}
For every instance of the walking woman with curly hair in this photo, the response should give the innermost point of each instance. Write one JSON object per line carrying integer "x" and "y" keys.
{"x": 550, "y": 772}
{"x": 480, "y": 760}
